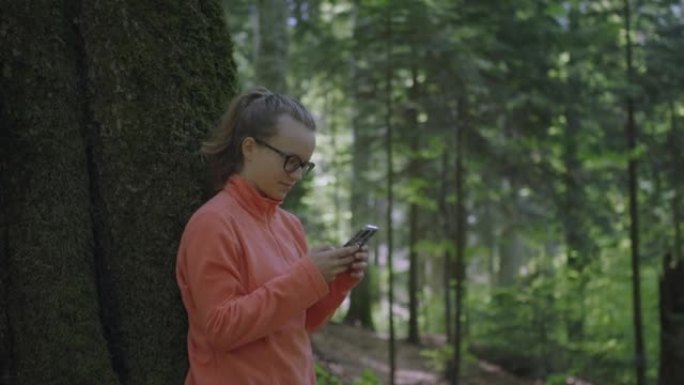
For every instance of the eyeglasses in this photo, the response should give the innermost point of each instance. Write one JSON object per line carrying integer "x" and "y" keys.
{"x": 292, "y": 162}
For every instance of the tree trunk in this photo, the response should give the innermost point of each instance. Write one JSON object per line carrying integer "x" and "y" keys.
{"x": 677, "y": 180}
{"x": 446, "y": 221}
{"x": 574, "y": 197}
{"x": 672, "y": 322}
{"x": 488, "y": 230}
{"x": 390, "y": 196}
{"x": 461, "y": 223}
{"x": 51, "y": 332}
{"x": 631, "y": 133}
{"x": 413, "y": 288}
{"x": 360, "y": 300}
{"x": 272, "y": 44}
{"x": 106, "y": 104}
{"x": 414, "y": 171}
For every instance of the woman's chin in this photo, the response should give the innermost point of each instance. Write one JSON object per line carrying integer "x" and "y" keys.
{"x": 279, "y": 194}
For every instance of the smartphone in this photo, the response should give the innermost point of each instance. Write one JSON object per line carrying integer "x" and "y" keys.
{"x": 362, "y": 236}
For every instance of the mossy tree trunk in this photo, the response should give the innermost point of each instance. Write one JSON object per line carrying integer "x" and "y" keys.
{"x": 51, "y": 330}
{"x": 104, "y": 105}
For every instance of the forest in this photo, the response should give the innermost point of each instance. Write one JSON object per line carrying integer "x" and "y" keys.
{"x": 524, "y": 161}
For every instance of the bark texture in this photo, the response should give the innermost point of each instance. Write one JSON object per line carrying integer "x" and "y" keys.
{"x": 104, "y": 106}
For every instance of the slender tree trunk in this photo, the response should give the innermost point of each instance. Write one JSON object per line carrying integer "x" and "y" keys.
{"x": 360, "y": 301}
{"x": 272, "y": 44}
{"x": 330, "y": 101}
{"x": 390, "y": 196}
{"x": 460, "y": 237}
{"x": 575, "y": 240}
{"x": 413, "y": 333}
{"x": 631, "y": 133}
{"x": 488, "y": 231}
{"x": 448, "y": 297}
{"x": 415, "y": 171}
{"x": 447, "y": 234}
{"x": 677, "y": 176}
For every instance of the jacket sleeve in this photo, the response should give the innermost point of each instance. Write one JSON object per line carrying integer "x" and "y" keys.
{"x": 318, "y": 314}
{"x": 231, "y": 316}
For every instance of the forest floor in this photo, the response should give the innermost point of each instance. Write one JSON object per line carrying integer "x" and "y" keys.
{"x": 347, "y": 351}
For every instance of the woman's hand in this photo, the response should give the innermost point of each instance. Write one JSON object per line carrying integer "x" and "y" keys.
{"x": 332, "y": 261}
{"x": 358, "y": 266}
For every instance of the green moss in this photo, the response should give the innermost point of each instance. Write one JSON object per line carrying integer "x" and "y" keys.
{"x": 140, "y": 89}
{"x": 161, "y": 75}
{"x": 52, "y": 324}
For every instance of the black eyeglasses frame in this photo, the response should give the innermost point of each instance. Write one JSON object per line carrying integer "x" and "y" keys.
{"x": 305, "y": 166}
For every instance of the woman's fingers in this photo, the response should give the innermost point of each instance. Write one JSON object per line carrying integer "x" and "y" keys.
{"x": 333, "y": 261}
{"x": 357, "y": 274}
{"x": 318, "y": 249}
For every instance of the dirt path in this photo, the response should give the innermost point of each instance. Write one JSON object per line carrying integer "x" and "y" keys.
{"x": 347, "y": 351}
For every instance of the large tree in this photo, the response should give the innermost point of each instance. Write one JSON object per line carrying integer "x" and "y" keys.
{"x": 103, "y": 107}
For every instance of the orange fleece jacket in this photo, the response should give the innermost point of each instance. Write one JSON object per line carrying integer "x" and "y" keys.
{"x": 251, "y": 293}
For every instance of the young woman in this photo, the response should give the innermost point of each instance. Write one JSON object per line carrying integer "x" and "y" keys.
{"x": 252, "y": 289}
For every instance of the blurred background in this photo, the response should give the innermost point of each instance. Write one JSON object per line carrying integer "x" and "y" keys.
{"x": 527, "y": 156}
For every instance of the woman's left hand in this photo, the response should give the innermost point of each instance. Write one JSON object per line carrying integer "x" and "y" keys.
{"x": 358, "y": 266}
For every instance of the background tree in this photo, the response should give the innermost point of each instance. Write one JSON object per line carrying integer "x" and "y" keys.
{"x": 271, "y": 42}
{"x": 631, "y": 134}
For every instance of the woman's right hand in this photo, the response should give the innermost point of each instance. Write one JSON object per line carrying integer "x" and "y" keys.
{"x": 332, "y": 261}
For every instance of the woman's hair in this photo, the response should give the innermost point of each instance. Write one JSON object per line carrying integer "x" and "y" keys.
{"x": 253, "y": 113}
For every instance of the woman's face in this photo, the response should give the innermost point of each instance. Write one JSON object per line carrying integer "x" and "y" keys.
{"x": 263, "y": 165}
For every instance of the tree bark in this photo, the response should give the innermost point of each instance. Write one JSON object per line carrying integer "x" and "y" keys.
{"x": 672, "y": 322}
{"x": 51, "y": 330}
{"x": 104, "y": 105}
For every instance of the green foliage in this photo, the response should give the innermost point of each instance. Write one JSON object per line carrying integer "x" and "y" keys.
{"x": 535, "y": 314}
{"x": 325, "y": 377}
{"x": 439, "y": 357}
{"x": 538, "y": 88}
{"x": 368, "y": 377}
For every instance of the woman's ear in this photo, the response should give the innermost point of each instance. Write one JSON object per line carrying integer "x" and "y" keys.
{"x": 248, "y": 147}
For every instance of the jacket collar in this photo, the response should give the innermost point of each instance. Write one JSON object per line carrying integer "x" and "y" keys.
{"x": 250, "y": 198}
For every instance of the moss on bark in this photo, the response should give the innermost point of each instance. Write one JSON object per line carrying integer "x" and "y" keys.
{"x": 159, "y": 75}
{"x": 104, "y": 106}
{"x": 53, "y": 331}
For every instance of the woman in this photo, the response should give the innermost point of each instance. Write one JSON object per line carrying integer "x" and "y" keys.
{"x": 252, "y": 289}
